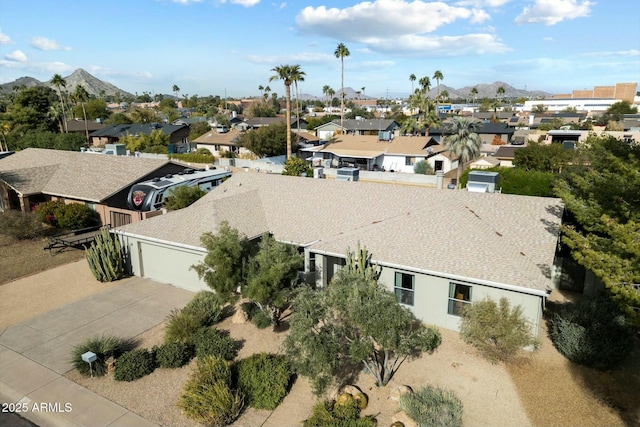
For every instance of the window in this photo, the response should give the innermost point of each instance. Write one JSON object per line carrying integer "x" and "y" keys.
{"x": 404, "y": 288}
{"x": 409, "y": 161}
{"x": 459, "y": 297}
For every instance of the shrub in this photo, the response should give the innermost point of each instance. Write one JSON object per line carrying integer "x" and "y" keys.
{"x": 173, "y": 354}
{"x": 594, "y": 333}
{"x": 330, "y": 414}
{"x": 105, "y": 257}
{"x": 496, "y": 330}
{"x": 46, "y": 211}
{"x": 422, "y": 167}
{"x": 104, "y": 347}
{"x": 205, "y": 307}
{"x": 433, "y": 407}
{"x": 263, "y": 379}
{"x": 21, "y": 225}
{"x": 74, "y": 216}
{"x": 181, "y": 327}
{"x": 211, "y": 341}
{"x": 200, "y": 156}
{"x": 134, "y": 364}
{"x": 207, "y": 397}
{"x": 261, "y": 319}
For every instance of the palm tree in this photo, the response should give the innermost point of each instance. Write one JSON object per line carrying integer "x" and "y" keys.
{"x": 473, "y": 94}
{"x": 412, "y": 78}
{"x": 325, "y": 92}
{"x": 331, "y": 92}
{"x": 267, "y": 89}
{"x": 363, "y": 88}
{"x": 176, "y": 90}
{"x": 55, "y": 114}
{"x": 437, "y": 76}
{"x": 443, "y": 96}
{"x": 463, "y": 141}
{"x": 261, "y": 88}
{"x": 82, "y": 96}
{"x": 285, "y": 73}
{"x": 297, "y": 75}
{"x": 342, "y": 52}
{"x": 499, "y": 92}
{"x": 425, "y": 84}
{"x": 59, "y": 82}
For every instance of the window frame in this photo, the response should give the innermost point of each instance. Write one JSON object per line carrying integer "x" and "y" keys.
{"x": 401, "y": 291}
{"x": 456, "y": 304}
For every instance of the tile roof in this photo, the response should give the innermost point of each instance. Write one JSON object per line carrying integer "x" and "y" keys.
{"x": 504, "y": 239}
{"x": 91, "y": 177}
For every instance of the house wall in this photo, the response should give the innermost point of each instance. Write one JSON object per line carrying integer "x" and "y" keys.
{"x": 431, "y": 294}
{"x": 163, "y": 262}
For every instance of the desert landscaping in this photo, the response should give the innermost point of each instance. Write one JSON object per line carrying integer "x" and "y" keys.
{"x": 540, "y": 389}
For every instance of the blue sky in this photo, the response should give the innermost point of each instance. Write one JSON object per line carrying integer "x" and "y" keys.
{"x": 213, "y": 47}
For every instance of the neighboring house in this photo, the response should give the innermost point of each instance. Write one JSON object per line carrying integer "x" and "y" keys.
{"x": 485, "y": 162}
{"x": 432, "y": 244}
{"x": 178, "y": 134}
{"x": 405, "y": 151}
{"x": 506, "y": 154}
{"x": 486, "y": 130}
{"x": 258, "y": 122}
{"x": 102, "y": 182}
{"x": 78, "y": 126}
{"x": 189, "y": 120}
{"x": 220, "y": 142}
{"x": 385, "y": 129}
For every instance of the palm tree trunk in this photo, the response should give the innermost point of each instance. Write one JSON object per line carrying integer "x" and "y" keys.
{"x": 86, "y": 125}
{"x": 288, "y": 118}
{"x": 342, "y": 100}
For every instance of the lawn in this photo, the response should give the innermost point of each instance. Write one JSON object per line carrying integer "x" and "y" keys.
{"x": 19, "y": 258}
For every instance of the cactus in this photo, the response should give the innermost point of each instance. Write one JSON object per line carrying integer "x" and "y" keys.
{"x": 360, "y": 262}
{"x": 105, "y": 257}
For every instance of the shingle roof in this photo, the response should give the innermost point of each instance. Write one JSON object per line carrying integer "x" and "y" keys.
{"x": 118, "y": 131}
{"x": 506, "y": 152}
{"x": 213, "y": 137}
{"x": 504, "y": 239}
{"x": 91, "y": 177}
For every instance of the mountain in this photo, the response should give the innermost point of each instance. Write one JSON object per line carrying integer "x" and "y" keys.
{"x": 93, "y": 85}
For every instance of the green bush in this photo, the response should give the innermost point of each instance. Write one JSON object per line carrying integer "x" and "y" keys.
{"x": 74, "y": 216}
{"x": 173, "y": 354}
{"x": 21, "y": 225}
{"x": 433, "y": 407}
{"x": 134, "y": 364}
{"x": 211, "y": 341}
{"x": 422, "y": 167}
{"x": 329, "y": 414}
{"x": 264, "y": 379}
{"x": 261, "y": 319}
{"x": 594, "y": 333}
{"x": 206, "y": 307}
{"x": 496, "y": 330}
{"x": 181, "y": 327}
{"x": 46, "y": 211}
{"x": 208, "y": 397}
{"x": 104, "y": 347}
{"x": 198, "y": 157}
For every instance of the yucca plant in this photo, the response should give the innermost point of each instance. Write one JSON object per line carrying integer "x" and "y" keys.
{"x": 105, "y": 257}
{"x": 103, "y": 346}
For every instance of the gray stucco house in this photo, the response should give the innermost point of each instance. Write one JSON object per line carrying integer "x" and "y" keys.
{"x": 438, "y": 249}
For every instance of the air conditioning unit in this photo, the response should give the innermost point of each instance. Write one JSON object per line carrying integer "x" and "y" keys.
{"x": 482, "y": 182}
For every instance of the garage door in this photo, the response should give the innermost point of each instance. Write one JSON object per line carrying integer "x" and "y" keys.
{"x": 168, "y": 264}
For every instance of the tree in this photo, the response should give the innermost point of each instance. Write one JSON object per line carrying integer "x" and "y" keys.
{"x": 82, "y": 96}
{"x": 603, "y": 197}
{"x": 437, "y": 76}
{"x": 463, "y": 141}
{"x": 354, "y": 323}
{"x": 498, "y": 331}
{"x": 224, "y": 266}
{"x": 325, "y": 92}
{"x": 622, "y": 107}
{"x": 544, "y": 158}
{"x": 155, "y": 142}
{"x": 272, "y": 276}
{"x": 473, "y": 94}
{"x": 267, "y": 141}
{"x": 285, "y": 73}
{"x": 422, "y": 167}
{"x": 412, "y": 79}
{"x": 500, "y": 92}
{"x": 31, "y": 111}
{"x": 539, "y": 108}
{"x": 342, "y": 52}
{"x": 59, "y": 82}
{"x": 176, "y": 90}
{"x": 198, "y": 129}
{"x": 297, "y": 75}
{"x": 182, "y": 196}
{"x": 296, "y": 166}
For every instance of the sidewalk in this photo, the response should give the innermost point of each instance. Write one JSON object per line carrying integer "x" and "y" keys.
{"x": 35, "y": 354}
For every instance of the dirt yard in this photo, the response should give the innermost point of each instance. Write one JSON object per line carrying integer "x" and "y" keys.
{"x": 544, "y": 389}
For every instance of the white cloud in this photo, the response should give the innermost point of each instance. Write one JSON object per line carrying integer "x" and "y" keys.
{"x": 303, "y": 57}
{"x": 17, "y": 56}
{"x": 38, "y": 68}
{"x": 245, "y": 3}
{"x": 468, "y": 44}
{"x": 482, "y": 3}
{"x": 279, "y": 5}
{"x": 548, "y": 39}
{"x": 383, "y": 18}
{"x": 4, "y": 39}
{"x": 550, "y": 12}
{"x": 623, "y": 53}
{"x": 186, "y": 1}
{"x": 43, "y": 43}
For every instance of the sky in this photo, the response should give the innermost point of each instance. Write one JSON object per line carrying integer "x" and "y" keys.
{"x": 229, "y": 47}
